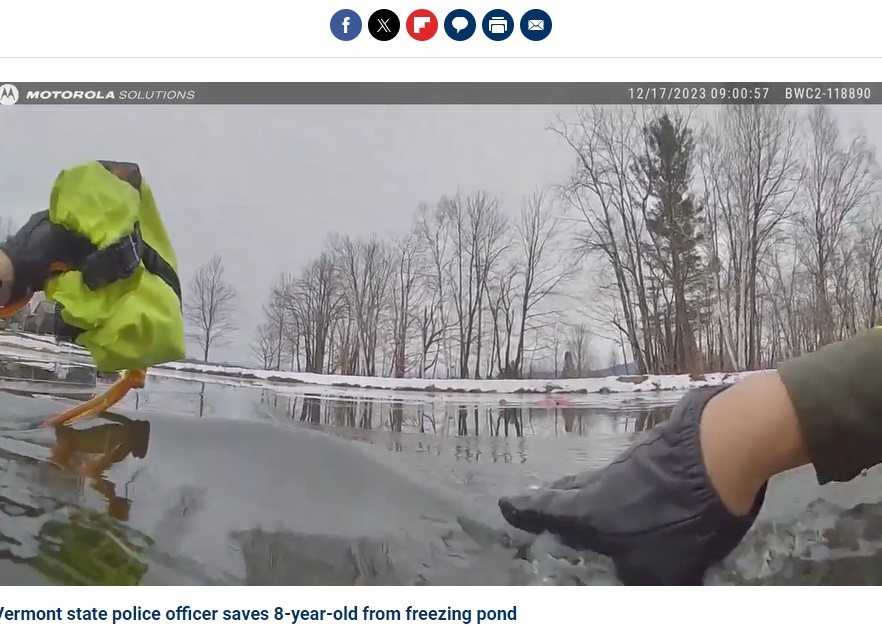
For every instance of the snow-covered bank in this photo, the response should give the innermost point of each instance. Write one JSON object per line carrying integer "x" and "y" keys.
{"x": 606, "y": 385}
{"x": 42, "y": 343}
{"x": 422, "y": 397}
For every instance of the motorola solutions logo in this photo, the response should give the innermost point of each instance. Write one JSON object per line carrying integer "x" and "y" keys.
{"x": 8, "y": 94}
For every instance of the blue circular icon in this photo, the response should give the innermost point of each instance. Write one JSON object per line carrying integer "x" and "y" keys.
{"x": 498, "y": 25}
{"x": 345, "y": 25}
{"x": 460, "y": 25}
{"x": 536, "y": 25}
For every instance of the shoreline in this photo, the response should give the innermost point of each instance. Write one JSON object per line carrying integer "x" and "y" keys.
{"x": 600, "y": 386}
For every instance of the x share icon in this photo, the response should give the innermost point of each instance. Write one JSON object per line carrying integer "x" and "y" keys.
{"x": 384, "y": 25}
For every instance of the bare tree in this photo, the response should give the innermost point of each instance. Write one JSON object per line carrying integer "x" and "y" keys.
{"x": 605, "y": 195}
{"x": 580, "y": 349}
{"x": 752, "y": 174}
{"x": 868, "y": 246}
{"x": 315, "y": 301}
{"x": 7, "y": 228}
{"x": 403, "y": 279}
{"x": 265, "y": 345}
{"x": 613, "y": 360}
{"x": 556, "y": 341}
{"x": 542, "y": 265}
{"x": 839, "y": 181}
{"x": 501, "y": 296}
{"x": 364, "y": 276}
{"x": 210, "y": 307}
{"x": 433, "y": 261}
{"x": 276, "y": 316}
{"x": 480, "y": 237}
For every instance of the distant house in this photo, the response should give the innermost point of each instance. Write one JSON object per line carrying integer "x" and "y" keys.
{"x": 15, "y": 321}
{"x": 39, "y": 316}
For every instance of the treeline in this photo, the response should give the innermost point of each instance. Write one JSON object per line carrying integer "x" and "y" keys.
{"x": 467, "y": 292}
{"x": 728, "y": 242}
{"x": 753, "y": 238}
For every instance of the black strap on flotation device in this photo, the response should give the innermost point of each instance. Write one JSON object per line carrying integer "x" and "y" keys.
{"x": 63, "y": 331}
{"x": 119, "y": 260}
{"x": 114, "y": 263}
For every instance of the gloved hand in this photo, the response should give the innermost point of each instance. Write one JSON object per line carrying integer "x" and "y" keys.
{"x": 653, "y": 511}
{"x": 35, "y": 248}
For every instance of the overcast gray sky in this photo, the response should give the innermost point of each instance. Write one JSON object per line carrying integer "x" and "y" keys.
{"x": 265, "y": 185}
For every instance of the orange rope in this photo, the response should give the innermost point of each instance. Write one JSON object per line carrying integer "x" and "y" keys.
{"x": 133, "y": 379}
{"x": 11, "y": 309}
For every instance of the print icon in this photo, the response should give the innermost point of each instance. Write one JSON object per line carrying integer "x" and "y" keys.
{"x": 536, "y": 25}
{"x": 8, "y": 94}
{"x": 345, "y": 25}
{"x": 460, "y": 25}
{"x": 498, "y": 25}
{"x": 383, "y": 25}
{"x": 422, "y": 25}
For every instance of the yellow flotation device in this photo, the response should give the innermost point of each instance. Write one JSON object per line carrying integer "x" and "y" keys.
{"x": 122, "y": 300}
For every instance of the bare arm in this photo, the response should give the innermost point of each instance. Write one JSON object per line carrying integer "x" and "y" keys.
{"x": 749, "y": 433}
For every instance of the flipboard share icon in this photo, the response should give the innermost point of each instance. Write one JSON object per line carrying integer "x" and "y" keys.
{"x": 422, "y": 24}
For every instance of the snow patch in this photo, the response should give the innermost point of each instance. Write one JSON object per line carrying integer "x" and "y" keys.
{"x": 638, "y": 384}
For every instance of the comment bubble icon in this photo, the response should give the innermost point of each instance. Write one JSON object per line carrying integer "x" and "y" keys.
{"x": 460, "y": 24}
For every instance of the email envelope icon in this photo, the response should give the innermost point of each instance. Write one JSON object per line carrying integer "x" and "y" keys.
{"x": 536, "y": 25}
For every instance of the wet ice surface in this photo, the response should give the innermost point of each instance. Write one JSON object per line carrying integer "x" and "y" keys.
{"x": 232, "y": 485}
{"x": 808, "y": 535}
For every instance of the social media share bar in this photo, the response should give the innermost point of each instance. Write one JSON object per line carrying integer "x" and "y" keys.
{"x": 423, "y": 25}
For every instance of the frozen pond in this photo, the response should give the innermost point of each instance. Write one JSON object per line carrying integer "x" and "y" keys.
{"x": 210, "y": 482}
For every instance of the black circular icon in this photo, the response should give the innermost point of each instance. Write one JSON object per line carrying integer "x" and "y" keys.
{"x": 384, "y": 24}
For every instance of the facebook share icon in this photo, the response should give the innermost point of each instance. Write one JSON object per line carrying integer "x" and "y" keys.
{"x": 345, "y": 25}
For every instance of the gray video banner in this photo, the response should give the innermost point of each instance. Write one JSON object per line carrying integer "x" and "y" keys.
{"x": 440, "y": 93}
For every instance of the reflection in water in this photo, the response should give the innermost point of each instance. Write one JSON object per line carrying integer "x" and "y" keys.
{"x": 90, "y": 549}
{"x": 47, "y": 371}
{"x": 91, "y": 451}
{"x": 475, "y": 419}
{"x": 64, "y": 540}
{"x": 494, "y": 431}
